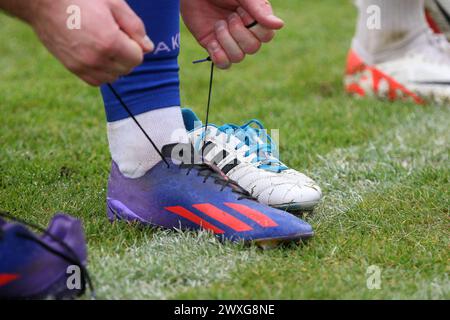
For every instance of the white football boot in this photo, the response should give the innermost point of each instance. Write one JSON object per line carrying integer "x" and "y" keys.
{"x": 242, "y": 155}
{"x": 421, "y": 75}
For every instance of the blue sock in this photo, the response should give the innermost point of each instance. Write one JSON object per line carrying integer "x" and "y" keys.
{"x": 155, "y": 83}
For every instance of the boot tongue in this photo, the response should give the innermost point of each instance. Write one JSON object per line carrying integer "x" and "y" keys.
{"x": 190, "y": 119}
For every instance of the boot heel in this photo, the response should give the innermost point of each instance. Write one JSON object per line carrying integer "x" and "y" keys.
{"x": 112, "y": 216}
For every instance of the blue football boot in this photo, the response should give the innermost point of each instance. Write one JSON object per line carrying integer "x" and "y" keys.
{"x": 184, "y": 193}
{"x": 40, "y": 266}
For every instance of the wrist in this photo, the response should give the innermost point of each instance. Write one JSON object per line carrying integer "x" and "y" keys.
{"x": 35, "y": 10}
{"x": 23, "y": 9}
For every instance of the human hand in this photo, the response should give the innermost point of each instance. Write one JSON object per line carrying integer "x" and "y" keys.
{"x": 220, "y": 27}
{"x": 111, "y": 40}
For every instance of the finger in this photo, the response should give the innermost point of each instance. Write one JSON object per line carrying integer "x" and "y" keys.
{"x": 245, "y": 17}
{"x": 131, "y": 24}
{"x": 97, "y": 78}
{"x": 127, "y": 54}
{"x": 118, "y": 68}
{"x": 262, "y": 34}
{"x": 229, "y": 45}
{"x": 218, "y": 55}
{"x": 244, "y": 38}
{"x": 91, "y": 81}
{"x": 261, "y": 11}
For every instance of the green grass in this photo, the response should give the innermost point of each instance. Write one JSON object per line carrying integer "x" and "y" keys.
{"x": 383, "y": 166}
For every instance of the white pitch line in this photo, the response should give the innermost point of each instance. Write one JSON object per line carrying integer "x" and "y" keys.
{"x": 350, "y": 173}
{"x": 165, "y": 264}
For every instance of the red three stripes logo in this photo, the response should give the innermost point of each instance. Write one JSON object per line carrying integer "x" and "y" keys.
{"x": 224, "y": 217}
{"x": 6, "y": 278}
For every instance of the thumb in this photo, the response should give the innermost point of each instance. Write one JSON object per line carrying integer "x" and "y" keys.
{"x": 262, "y": 12}
{"x": 131, "y": 24}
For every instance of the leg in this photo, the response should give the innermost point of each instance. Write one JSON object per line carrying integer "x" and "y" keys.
{"x": 182, "y": 195}
{"x": 151, "y": 91}
{"x": 401, "y": 23}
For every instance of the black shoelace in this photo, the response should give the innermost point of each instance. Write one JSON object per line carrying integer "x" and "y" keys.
{"x": 211, "y": 78}
{"x": 203, "y": 169}
{"x": 207, "y": 171}
{"x": 72, "y": 258}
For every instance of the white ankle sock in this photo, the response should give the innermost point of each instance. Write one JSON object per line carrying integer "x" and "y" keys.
{"x": 403, "y": 24}
{"x": 131, "y": 150}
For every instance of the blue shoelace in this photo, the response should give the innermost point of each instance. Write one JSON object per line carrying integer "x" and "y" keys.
{"x": 258, "y": 141}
